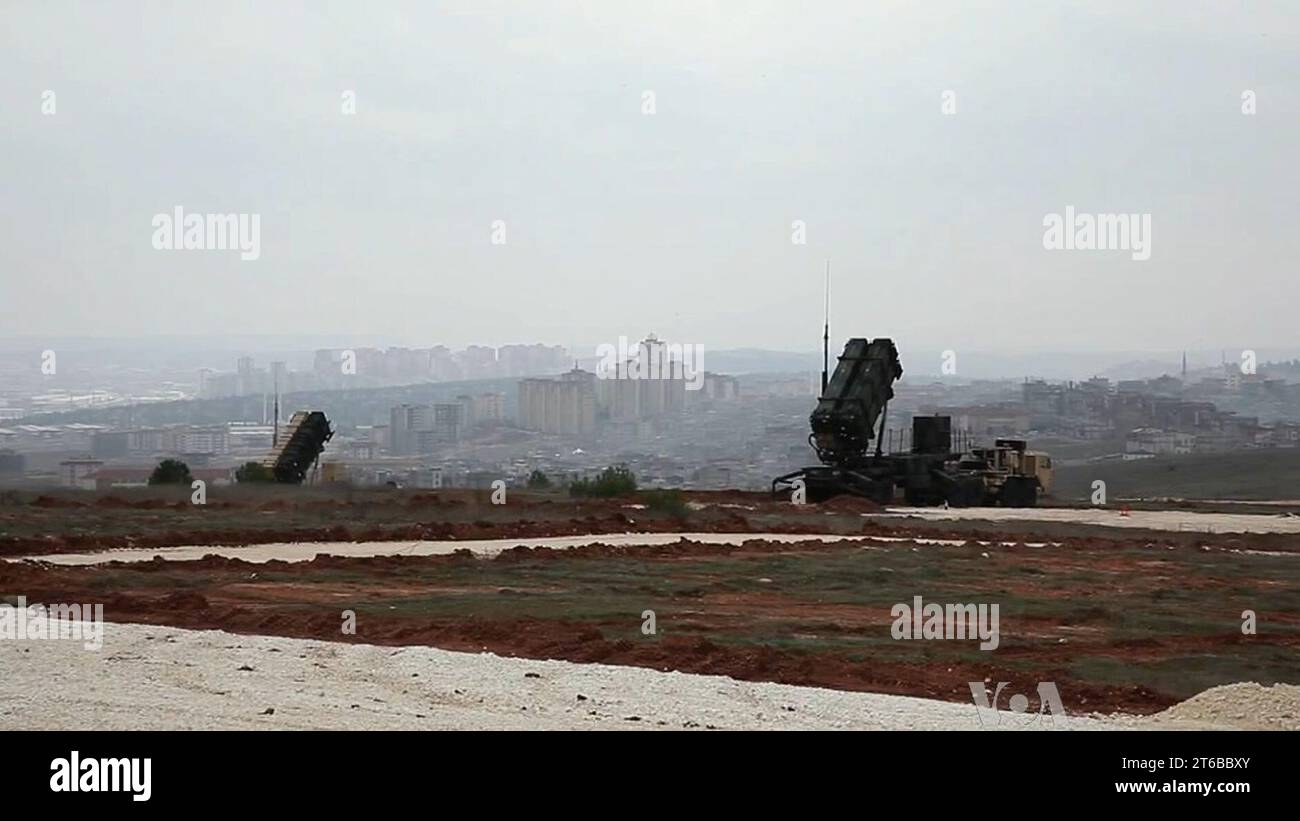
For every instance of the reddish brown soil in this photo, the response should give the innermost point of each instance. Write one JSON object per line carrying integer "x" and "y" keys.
{"x": 233, "y": 595}
{"x": 584, "y": 643}
{"x": 542, "y": 519}
{"x": 227, "y": 594}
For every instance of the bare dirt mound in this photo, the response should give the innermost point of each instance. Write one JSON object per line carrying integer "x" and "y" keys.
{"x": 1246, "y": 705}
{"x": 52, "y": 502}
{"x": 850, "y": 504}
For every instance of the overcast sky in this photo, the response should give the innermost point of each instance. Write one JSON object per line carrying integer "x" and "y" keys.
{"x": 679, "y": 222}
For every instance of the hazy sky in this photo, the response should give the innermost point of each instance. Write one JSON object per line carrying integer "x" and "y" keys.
{"x": 680, "y": 221}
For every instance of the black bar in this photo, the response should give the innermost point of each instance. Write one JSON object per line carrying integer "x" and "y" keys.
{"x": 917, "y": 770}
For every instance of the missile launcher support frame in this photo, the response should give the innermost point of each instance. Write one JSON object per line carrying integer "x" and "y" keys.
{"x": 844, "y": 425}
{"x": 299, "y": 446}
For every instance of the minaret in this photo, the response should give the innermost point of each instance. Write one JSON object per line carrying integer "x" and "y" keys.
{"x": 1184, "y": 366}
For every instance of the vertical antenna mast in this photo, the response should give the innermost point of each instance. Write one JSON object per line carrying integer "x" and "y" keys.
{"x": 826, "y": 327}
{"x": 275, "y": 432}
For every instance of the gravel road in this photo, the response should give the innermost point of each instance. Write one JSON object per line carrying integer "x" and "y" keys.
{"x": 160, "y": 678}
{"x": 1174, "y": 520}
{"x": 148, "y": 678}
{"x": 306, "y": 551}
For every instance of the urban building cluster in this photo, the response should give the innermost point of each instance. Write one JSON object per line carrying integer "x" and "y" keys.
{"x": 730, "y": 432}
{"x": 1213, "y": 411}
{"x": 579, "y": 402}
{"x": 421, "y": 429}
{"x": 97, "y": 456}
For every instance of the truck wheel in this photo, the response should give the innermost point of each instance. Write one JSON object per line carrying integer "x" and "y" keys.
{"x": 969, "y": 492}
{"x": 883, "y": 493}
{"x": 1018, "y": 491}
{"x": 918, "y": 497}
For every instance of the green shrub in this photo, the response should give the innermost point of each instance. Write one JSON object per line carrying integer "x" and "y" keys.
{"x": 254, "y": 472}
{"x": 670, "y": 502}
{"x": 171, "y": 472}
{"x": 615, "y": 480}
{"x": 538, "y": 480}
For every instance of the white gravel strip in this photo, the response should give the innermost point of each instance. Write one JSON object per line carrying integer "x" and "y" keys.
{"x": 147, "y": 678}
{"x": 306, "y": 551}
{"x": 1173, "y": 520}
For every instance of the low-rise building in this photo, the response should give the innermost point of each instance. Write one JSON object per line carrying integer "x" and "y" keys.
{"x": 124, "y": 477}
{"x": 1156, "y": 442}
{"x": 78, "y": 473}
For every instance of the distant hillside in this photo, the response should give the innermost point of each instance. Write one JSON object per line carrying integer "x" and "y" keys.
{"x": 1253, "y": 474}
{"x": 343, "y": 407}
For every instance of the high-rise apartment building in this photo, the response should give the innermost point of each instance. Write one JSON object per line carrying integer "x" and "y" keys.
{"x": 561, "y": 405}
